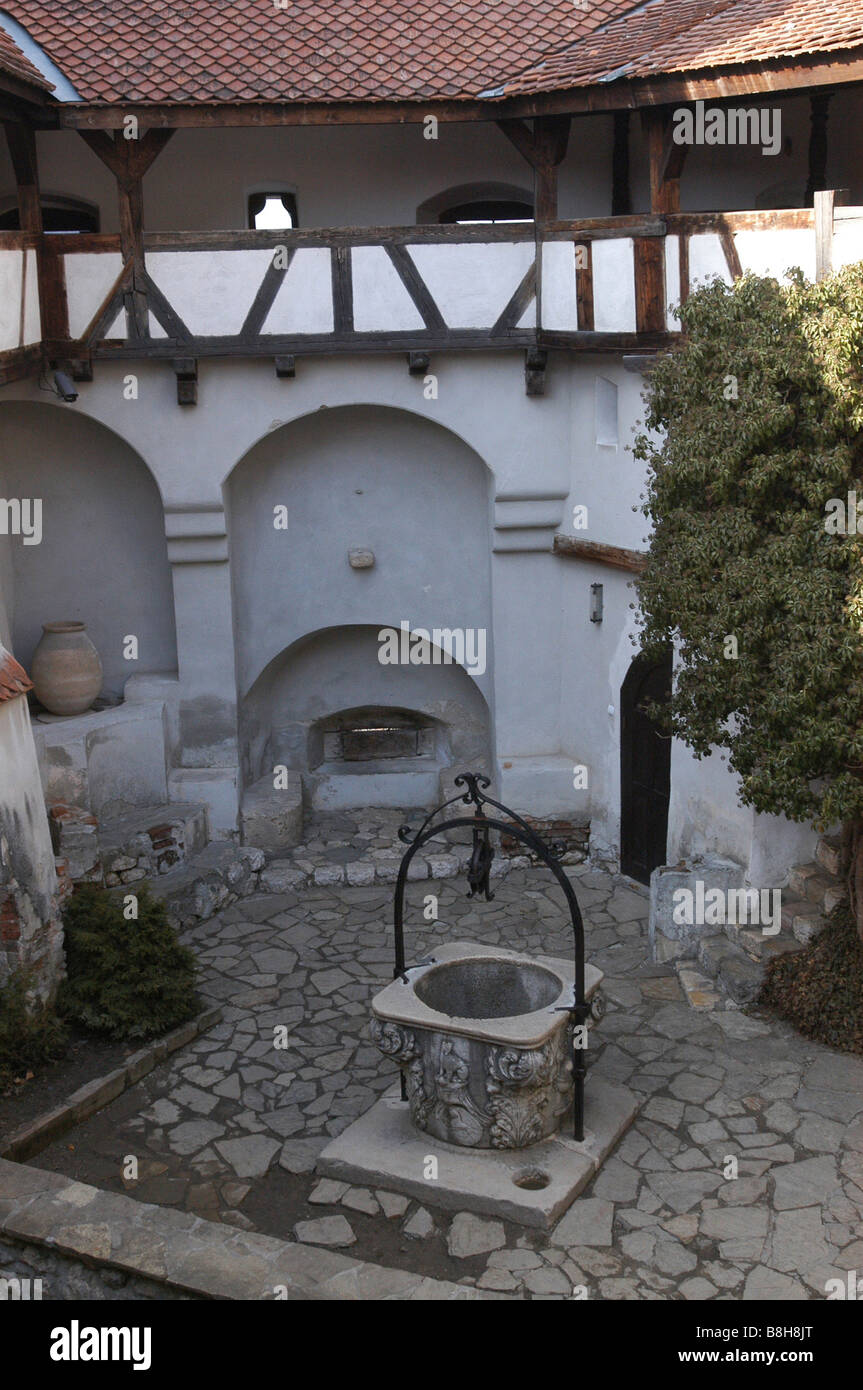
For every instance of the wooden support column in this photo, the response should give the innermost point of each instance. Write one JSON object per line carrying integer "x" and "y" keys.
{"x": 825, "y": 201}
{"x": 53, "y": 308}
{"x": 551, "y": 138}
{"x": 816, "y": 182}
{"x": 544, "y": 148}
{"x": 22, "y": 150}
{"x": 621, "y": 196}
{"x": 128, "y": 161}
{"x": 665, "y": 159}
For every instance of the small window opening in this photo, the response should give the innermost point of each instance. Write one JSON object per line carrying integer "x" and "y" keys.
{"x": 488, "y": 210}
{"x": 58, "y": 215}
{"x": 272, "y": 211}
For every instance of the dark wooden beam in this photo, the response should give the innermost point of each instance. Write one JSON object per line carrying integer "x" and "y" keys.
{"x": 128, "y": 161}
{"x": 650, "y": 294}
{"x": 18, "y": 363}
{"x": 584, "y": 287}
{"x": 535, "y": 361}
{"x": 621, "y": 196}
{"x": 186, "y": 372}
{"x": 334, "y": 344}
{"x": 21, "y": 141}
{"x": 286, "y": 368}
{"x": 519, "y": 134}
{"x": 816, "y": 181}
{"x": 53, "y": 308}
{"x": 617, "y": 556}
{"x": 544, "y": 148}
{"x": 665, "y": 160}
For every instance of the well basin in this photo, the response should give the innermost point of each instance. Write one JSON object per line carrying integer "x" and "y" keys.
{"x": 483, "y": 1038}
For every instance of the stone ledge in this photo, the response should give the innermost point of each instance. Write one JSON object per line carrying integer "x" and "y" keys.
{"x": 35, "y": 1136}
{"x": 107, "y": 1230}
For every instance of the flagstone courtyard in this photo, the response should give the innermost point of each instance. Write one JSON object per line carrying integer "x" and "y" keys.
{"x": 230, "y": 1127}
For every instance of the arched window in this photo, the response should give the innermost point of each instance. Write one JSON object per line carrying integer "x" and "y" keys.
{"x": 478, "y": 202}
{"x": 59, "y": 214}
{"x": 276, "y": 210}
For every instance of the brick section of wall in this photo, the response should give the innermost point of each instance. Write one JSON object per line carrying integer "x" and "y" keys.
{"x": 10, "y": 922}
{"x": 555, "y": 830}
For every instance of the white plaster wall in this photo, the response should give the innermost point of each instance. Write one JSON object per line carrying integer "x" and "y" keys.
{"x": 359, "y": 477}
{"x": 102, "y": 558}
{"x": 11, "y": 268}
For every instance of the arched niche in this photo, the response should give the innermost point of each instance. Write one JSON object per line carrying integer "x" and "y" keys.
{"x": 102, "y": 557}
{"x": 362, "y": 477}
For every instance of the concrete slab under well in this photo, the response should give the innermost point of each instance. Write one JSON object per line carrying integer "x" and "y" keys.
{"x": 383, "y": 1149}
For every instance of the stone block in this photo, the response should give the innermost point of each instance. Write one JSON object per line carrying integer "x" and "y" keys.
{"x": 668, "y": 880}
{"x": 271, "y": 817}
{"x": 533, "y": 1187}
{"x": 214, "y": 787}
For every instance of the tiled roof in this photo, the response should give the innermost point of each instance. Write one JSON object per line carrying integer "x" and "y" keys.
{"x": 13, "y": 62}
{"x": 667, "y": 36}
{"x": 14, "y": 680}
{"x": 312, "y": 50}
{"x": 217, "y": 51}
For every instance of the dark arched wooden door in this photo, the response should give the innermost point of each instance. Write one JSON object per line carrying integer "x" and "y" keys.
{"x": 645, "y": 770}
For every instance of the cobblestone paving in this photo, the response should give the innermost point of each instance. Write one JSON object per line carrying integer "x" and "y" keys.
{"x": 230, "y": 1127}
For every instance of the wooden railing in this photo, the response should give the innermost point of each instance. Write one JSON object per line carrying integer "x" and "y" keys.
{"x": 600, "y": 284}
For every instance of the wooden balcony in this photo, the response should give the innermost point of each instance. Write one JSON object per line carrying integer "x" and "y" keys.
{"x": 598, "y": 285}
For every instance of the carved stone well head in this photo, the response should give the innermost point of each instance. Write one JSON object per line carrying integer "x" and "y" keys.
{"x": 483, "y": 1037}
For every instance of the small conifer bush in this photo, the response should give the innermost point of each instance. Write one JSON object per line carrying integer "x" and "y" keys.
{"x": 127, "y": 977}
{"x": 31, "y": 1034}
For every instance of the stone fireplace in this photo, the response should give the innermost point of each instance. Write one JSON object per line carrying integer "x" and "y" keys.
{"x": 307, "y": 713}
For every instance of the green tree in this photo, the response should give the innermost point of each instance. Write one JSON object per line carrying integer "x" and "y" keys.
{"x": 753, "y": 440}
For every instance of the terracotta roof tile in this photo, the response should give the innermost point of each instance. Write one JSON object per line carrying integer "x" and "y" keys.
{"x": 326, "y": 50}
{"x": 667, "y": 36}
{"x": 386, "y": 50}
{"x": 14, "y": 680}
{"x": 13, "y": 62}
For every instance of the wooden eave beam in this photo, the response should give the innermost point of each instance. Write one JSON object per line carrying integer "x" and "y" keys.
{"x": 769, "y": 78}
{"x": 619, "y": 558}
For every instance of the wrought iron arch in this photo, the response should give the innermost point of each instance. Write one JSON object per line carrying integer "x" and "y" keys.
{"x": 479, "y": 879}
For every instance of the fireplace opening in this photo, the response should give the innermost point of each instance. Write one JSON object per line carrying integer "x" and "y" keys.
{"x": 371, "y": 736}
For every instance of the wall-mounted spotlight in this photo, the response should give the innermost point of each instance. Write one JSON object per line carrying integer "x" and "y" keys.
{"x": 596, "y": 603}
{"x": 65, "y": 387}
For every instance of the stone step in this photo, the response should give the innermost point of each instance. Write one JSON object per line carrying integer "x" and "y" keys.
{"x": 376, "y": 866}
{"x": 801, "y": 919}
{"x": 819, "y": 887}
{"x": 828, "y": 854}
{"x": 699, "y": 989}
{"x": 151, "y": 840}
{"x": 142, "y": 842}
{"x": 727, "y": 968}
{"x": 217, "y": 877}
